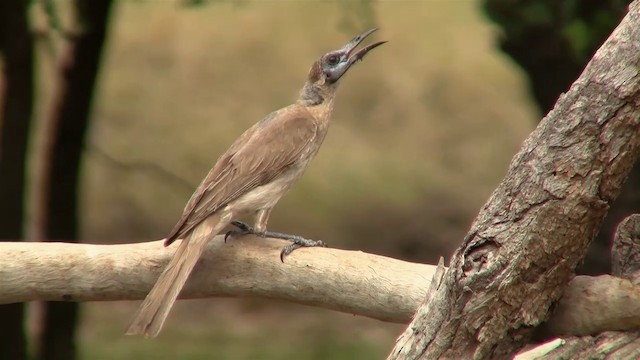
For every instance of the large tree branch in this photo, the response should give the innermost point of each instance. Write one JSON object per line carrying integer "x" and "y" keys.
{"x": 524, "y": 245}
{"x": 609, "y": 344}
{"x": 348, "y": 281}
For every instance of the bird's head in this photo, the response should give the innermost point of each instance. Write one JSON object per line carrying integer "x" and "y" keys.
{"x": 332, "y": 65}
{"x": 326, "y": 71}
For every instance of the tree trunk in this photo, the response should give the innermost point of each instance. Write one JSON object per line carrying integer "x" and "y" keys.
{"x": 16, "y": 102}
{"x": 524, "y": 245}
{"x": 552, "y": 56}
{"x": 67, "y": 124}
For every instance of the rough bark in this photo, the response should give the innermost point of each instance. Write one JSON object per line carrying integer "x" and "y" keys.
{"x": 553, "y": 48}
{"x": 16, "y": 104}
{"x": 523, "y": 247}
{"x": 348, "y": 281}
{"x": 625, "y": 253}
{"x": 56, "y": 209}
{"x": 610, "y": 344}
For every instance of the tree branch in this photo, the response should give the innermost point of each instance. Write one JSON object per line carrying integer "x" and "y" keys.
{"x": 522, "y": 248}
{"x": 609, "y": 344}
{"x": 625, "y": 253}
{"x": 348, "y": 281}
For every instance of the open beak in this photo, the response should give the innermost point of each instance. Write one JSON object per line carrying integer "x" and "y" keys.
{"x": 348, "y": 57}
{"x": 351, "y": 46}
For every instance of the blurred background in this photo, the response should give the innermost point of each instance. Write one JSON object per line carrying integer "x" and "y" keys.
{"x": 113, "y": 111}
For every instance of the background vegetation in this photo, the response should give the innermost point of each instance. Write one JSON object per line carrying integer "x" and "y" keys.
{"x": 423, "y": 130}
{"x": 431, "y": 110}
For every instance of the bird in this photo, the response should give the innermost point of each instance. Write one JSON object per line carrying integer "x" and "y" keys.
{"x": 249, "y": 179}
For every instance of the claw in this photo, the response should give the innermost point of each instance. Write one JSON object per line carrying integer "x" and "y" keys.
{"x": 243, "y": 229}
{"x": 297, "y": 243}
{"x": 288, "y": 250}
{"x": 242, "y": 226}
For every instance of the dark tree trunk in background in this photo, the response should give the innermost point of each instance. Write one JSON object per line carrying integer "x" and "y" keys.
{"x": 16, "y": 103}
{"x": 552, "y": 41}
{"x": 68, "y": 121}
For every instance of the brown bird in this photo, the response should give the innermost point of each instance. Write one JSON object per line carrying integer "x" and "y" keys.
{"x": 250, "y": 178}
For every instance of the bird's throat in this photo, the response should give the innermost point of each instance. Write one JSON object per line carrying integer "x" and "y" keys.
{"x": 310, "y": 96}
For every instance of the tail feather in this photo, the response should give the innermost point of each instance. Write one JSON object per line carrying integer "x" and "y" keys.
{"x": 156, "y": 306}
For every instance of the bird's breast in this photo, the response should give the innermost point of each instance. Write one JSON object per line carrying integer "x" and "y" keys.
{"x": 267, "y": 195}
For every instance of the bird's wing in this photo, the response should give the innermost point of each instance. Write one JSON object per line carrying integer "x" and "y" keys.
{"x": 259, "y": 155}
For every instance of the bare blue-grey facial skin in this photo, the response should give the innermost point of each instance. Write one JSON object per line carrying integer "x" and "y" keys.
{"x": 336, "y": 63}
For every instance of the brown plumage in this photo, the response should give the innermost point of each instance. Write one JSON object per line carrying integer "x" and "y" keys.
{"x": 250, "y": 177}
{"x": 258, "y": 156}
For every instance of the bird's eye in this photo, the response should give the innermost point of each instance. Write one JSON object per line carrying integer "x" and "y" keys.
{"x": 333, "y": 60}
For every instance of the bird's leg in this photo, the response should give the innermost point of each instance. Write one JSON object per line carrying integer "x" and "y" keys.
{"x": 260, "y": 230}
{"x": 262, "y": 217}
{"x": 243, "y": 229}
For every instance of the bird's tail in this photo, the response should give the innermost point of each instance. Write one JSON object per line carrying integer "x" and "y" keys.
{"x": 156, "y": 306}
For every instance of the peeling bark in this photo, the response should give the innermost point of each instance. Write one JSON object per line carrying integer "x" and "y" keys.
{"x": 609, "y": 345}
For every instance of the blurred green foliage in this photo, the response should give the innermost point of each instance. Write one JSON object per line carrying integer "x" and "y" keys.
{"x": 584, "y": 24}
{"x": 552, "y": 40}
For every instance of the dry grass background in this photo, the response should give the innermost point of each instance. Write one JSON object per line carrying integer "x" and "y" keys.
{"x": 423, "y": 130}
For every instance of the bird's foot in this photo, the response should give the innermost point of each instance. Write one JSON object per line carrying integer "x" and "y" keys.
{"x": 243, "y": 229}
{"x": 296, "y": 240}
